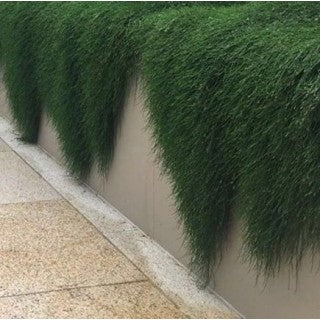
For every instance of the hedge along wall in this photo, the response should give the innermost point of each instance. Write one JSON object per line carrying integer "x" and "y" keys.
{"x": 233, "y": 103}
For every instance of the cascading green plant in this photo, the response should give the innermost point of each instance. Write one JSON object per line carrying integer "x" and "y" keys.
{"x": 58, "y": 76}
{"x": 78, "y": 58}
{"x": 17, "y": 56}
{"x": 232, "y": 98}
{"x": 238, "y": 125}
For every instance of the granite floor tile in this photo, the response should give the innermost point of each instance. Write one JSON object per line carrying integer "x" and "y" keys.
{"x": 134, "y": 300}
{"x": 3, "y": 146}
{"x": 19, "y": 183}
{"x": 48, "y": 245}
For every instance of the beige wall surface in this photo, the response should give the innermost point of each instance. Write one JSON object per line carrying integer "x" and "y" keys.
{"x": 48, "y": 140}
{"x": 136, "y": 188}
{"x": 4, "y": 107}
{"x": 134, "y": 184}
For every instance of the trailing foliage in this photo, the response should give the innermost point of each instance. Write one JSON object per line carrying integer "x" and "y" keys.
{"x": 81, "y": 60}
{"x": 233, "y": 103}
{"x": 58, "y": 79}
{"x": 17, "y": 54}
{"x": 238, "y": 125}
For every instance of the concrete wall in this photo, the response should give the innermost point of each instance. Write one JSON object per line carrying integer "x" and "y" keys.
{"x": 135, "y": 186}
{"x": 4, "y": 107}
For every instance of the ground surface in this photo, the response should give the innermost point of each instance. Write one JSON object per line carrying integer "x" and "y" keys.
{"x": 54, "y": 263}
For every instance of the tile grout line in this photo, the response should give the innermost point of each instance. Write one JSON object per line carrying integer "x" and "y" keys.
{"x": 147, "y": 278}
{"x": 73, "y": 288}
{"x": 216, "y": 301}
{"x": 83, "y": 185}
{"x": 31, "y": 201}
{"x": 101, "y": 233}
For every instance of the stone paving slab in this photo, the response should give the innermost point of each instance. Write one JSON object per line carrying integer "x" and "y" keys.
{"x": 56, "y": 264}
{"x": 48, "y": 245}
{"x": 19, "y": 183}
{"x": 131, "y": 300}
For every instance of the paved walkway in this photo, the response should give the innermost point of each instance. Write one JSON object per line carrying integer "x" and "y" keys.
{"x": 54, "y": 263}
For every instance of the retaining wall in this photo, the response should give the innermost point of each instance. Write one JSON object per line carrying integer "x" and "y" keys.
{"x": 135, "y": 186}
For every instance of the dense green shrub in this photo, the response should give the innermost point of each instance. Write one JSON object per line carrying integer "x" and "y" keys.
{"x": 58, "y": 75}
{"x": 238, "y": 124}
{"x": 233, "y": 103}
{"x": 106, "y": 61}
{"x": 17, "y": 54}
{"x": 78, "y": 71}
